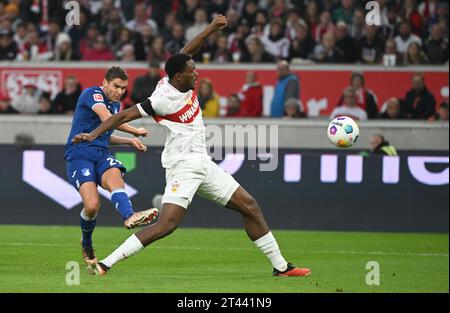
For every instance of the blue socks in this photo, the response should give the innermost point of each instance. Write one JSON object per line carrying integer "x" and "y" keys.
{"x": 87, "y": 228}
{"x": 122, "y": 203}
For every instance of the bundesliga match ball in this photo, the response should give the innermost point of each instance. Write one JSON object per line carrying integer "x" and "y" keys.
{"x": 343, "y": 131}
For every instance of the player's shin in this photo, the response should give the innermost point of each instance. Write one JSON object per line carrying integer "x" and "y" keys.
{"x": 131, "y": 246}
{"x": 269, "y": 246}
{"x": 122, "y": 203}
{"x": 87, "y": 228}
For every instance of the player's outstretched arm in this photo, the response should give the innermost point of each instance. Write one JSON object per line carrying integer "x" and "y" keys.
{"x": 111, "y": 123}
{"x": 192, "y": 47}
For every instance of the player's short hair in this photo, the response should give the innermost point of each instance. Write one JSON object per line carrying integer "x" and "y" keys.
{"x": 176, "y": 64}
{"x": 114, "y": 72}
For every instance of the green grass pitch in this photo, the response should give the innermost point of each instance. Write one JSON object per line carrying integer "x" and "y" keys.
{"x": 33, "y": 259}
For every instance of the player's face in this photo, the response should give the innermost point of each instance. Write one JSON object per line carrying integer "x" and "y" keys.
{"x": 189, "y": 76}
{"x": 115, "y": 88}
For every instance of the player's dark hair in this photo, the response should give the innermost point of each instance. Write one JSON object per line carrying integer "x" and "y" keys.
{"x": 114, "y": 72}
{"x": 176, "y": 64}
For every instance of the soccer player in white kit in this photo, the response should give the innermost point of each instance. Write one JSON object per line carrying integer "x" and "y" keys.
{"x": 189, "y": 169}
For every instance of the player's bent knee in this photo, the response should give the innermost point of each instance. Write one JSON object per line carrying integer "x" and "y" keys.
{"x": 92, "y": 207}
{"x": 251, "y": 207}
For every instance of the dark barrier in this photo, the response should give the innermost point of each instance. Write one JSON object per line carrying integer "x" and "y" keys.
{"x": 310, "y": 190}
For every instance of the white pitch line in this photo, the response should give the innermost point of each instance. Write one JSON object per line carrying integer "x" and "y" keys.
{"x": 343, "y": 252}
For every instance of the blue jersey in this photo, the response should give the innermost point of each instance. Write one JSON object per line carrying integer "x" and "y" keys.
{"x": 86, "y": 120}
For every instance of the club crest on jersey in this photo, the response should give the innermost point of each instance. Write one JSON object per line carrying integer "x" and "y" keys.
{"x": 98, "y": 97}
{"x": 85, "y": 172}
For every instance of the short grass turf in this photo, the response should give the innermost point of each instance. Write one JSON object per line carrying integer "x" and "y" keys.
{"x": 34, "y": 258}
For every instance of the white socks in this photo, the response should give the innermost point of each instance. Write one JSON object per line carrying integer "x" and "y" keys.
{"x": 131, "y": 246}
{"x": 268, "y": 245}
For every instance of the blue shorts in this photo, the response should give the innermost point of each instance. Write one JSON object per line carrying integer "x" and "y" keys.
{"x": 88, "y": 165}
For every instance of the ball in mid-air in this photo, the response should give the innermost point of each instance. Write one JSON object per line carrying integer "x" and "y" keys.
{"x": 343, "y": 131}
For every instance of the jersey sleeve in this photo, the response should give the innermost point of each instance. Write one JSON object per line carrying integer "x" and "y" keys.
{"x": 94, "y": 98}
{"x": 159, "y": 104}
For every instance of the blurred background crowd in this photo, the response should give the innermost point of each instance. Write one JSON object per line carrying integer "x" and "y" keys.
{"x": 412, "y": 32}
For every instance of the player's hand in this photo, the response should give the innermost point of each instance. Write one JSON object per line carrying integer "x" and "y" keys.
{"x": 219, "y": 22}
{"x": 141, "y": 131}
{"x": 138, "y": 145}
{"x": 82, "y": 138}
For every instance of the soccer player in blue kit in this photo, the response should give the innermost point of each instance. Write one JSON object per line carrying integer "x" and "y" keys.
{"x": 91, "y": 164}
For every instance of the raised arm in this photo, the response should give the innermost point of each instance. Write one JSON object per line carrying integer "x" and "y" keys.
{"x": 112, "y": 122}
{"x": 192, "y": 47}
{"x": 104, "y": 114}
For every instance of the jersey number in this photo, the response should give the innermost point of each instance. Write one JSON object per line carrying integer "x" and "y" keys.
{"x": 113, "y": 162}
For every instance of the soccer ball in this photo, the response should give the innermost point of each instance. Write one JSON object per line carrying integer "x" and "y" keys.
{"x": 343, "y": 131}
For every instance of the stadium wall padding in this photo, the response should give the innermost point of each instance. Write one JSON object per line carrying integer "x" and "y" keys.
{"x": 308, "y": 190}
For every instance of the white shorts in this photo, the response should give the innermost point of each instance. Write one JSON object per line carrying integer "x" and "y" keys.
{"x": 202, "y": 176}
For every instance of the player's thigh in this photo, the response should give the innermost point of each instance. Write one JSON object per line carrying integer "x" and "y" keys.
{"x": 218, "y": 186}
{"x": 182, "y": 182}
{"x": 112, "y": 179}
{"x": 110, "y": 172}
{"x": 90, "y": 196}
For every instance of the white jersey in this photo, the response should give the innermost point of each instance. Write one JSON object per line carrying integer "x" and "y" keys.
{"x": 181, "y": 116}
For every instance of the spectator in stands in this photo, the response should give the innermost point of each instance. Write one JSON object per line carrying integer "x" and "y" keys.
{"x": 419, "y": 102}
{"x": 410, "y": 14}
{"x": 186, "y": 14}
{"x": 261, "y": 27}
{"x": 345, "y": 43}
{"x": 5, "y": 105}
{"x": 87, "y": 41}
{"x": 278, "y": 10}
{"x": 442, "y": 113}
{"x": 325, "y": 26}
{"x": 234, "y": 20}
{"x": 8, "y": 47}
{"x": 293, "y": 108}
{"x": 251, "y": 95}
{"x": 45, "y": 104}
{"x": 178, "y": 41}
{"x": 380, "y": 146}
{"x": 201, "y": 21}
{"x": 63, "y": 51}
{"x": 249, "y": 12}
{"x": 393, "y": 110}
{"x": 100, "y": 52}
{"x": 35, "y": 49}
{"x": 288, "y": 86}
{"x": 312, "y": 16}
{"x": 349, "y": 107}
{"x": 414, "y": 55}
{"x": 327, "y": 52}
{"x": 157, "y": 50}
{"x": 391, "y": 56}
{"x": 405, "y": 37}
{"x": 293, "y": 18}
{"x": 370, "y": 46}
{"x": 365, "y": 99}
{"x": 28, "y": 101}
{"x": 233, "y": 106}
{"x": 344, "y": 12}
{"x": 357, "y": 26}
{"x": 141, "y": 19}
{"x": 222, "y": 54}
{"x": 276, "y": 43}
{"x": 436, "y": 46}
{"x": 125, "y": 37}
{"x": 208, "y": 99}
{"x": 54, "y": 29}
{"x": 170, "y": 20}
{"x": 255, "y": 52}
{"x": 236, "y": 41}
{"x": 302, "y": 44}
{"x": 20, "y": 35}
{"x": 144, "y": 85}
{"x": 65, "y": 101}
{"x": 127, "y": 54}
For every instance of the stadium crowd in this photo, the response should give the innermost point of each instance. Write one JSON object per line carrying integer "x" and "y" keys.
{"x": 266, "y": 31}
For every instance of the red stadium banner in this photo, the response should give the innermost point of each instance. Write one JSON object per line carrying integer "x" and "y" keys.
{"x": 320, "y": 89}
